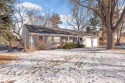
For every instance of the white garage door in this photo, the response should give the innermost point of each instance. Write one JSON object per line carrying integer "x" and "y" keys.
{"x": 91, "y": 42}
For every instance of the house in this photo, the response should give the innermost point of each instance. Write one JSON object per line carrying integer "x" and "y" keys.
{"x": 37, "y": 37}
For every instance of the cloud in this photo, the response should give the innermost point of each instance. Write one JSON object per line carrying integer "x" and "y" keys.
{"x": 29, "y": 6}
{"x": 43, "y": 14}
{"x": 65, "y": 18}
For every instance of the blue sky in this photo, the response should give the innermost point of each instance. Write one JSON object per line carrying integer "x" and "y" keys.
{"x": 53, "y": 6}
{"x": 56, "y": 6}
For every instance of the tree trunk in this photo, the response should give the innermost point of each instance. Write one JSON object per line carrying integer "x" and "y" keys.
{"x": 10, "y": 47}
{"x": 23, "y": 44}
{"x": 25, "y": 48}
{"x": 119, "y": 31}
{"x": 118, "y": 37}
{"x": 110, "y": 41}
{"x": 102, "y": 35}
{"x": 103, "y": 31}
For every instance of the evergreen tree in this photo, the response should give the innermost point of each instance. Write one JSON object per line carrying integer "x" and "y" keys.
{"x": 6, "y": 19}
{"x": 55, "y": 19}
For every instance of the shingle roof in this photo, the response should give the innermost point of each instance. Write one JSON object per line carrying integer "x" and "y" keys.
{"x": 45, "y": 30}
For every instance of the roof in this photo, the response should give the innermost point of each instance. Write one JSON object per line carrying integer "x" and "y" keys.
{"x": 46, "y": 30}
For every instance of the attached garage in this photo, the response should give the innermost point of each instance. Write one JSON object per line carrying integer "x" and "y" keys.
{"x": 91, "y": 41}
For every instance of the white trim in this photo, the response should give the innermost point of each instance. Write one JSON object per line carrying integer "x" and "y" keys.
{"x": 43, "y": 38}
{"x": 77, "y": 38}
{"x": 31, "y": 41}
{"x": 91, "y": 36}
{"x": 68, "y": 39}
{"x": 55, "y": 34}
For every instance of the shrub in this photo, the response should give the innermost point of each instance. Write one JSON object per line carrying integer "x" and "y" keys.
{"x": 73, "y": 45}
{"x": 80, "y": 46}
{"x": 70, "y": 45}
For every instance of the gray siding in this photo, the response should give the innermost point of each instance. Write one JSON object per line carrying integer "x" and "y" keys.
{"x": 34, "y": 41}
{"x": 25, "y": 35}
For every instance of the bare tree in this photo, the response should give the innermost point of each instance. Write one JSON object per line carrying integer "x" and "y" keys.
{"x": 47, "y": 17}
{"x": 119, "y": 30}
{"x": 39, "y": 20}
{"x": 21, "y": 18}
{"x": 105, "y": 9}
{"x": 119, "y": 33}
{"x": 78, "y": 19}
{"x": 18, "y": 25}
{"x": 36, "y": 19}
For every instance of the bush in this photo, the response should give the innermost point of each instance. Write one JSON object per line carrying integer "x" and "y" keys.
{"x": 70, "y": 45}
{"x": 73, "y": 45}
{"x": 80, "y": 46}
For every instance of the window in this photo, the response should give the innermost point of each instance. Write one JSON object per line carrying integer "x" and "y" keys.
{"x": 80, "y": 39}
{"x": 52, "y": 38}
{"x": 40, "y": 38}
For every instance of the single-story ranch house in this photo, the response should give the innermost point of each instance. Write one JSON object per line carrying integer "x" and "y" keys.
{"x": 37, "y": 37}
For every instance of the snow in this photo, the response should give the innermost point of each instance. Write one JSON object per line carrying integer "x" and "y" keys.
{"x": 85, "y": 65}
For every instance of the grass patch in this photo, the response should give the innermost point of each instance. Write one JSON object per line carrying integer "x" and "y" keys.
{"x": 4, "y": 58}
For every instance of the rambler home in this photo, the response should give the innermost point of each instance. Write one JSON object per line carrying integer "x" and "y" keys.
{"x": 37, "y": 37}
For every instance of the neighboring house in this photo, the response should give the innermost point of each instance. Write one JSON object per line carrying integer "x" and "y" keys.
{"x": 37, "y": 37}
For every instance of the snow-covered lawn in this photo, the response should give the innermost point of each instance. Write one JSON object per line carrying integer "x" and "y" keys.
{"x": 87, "y": 65}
